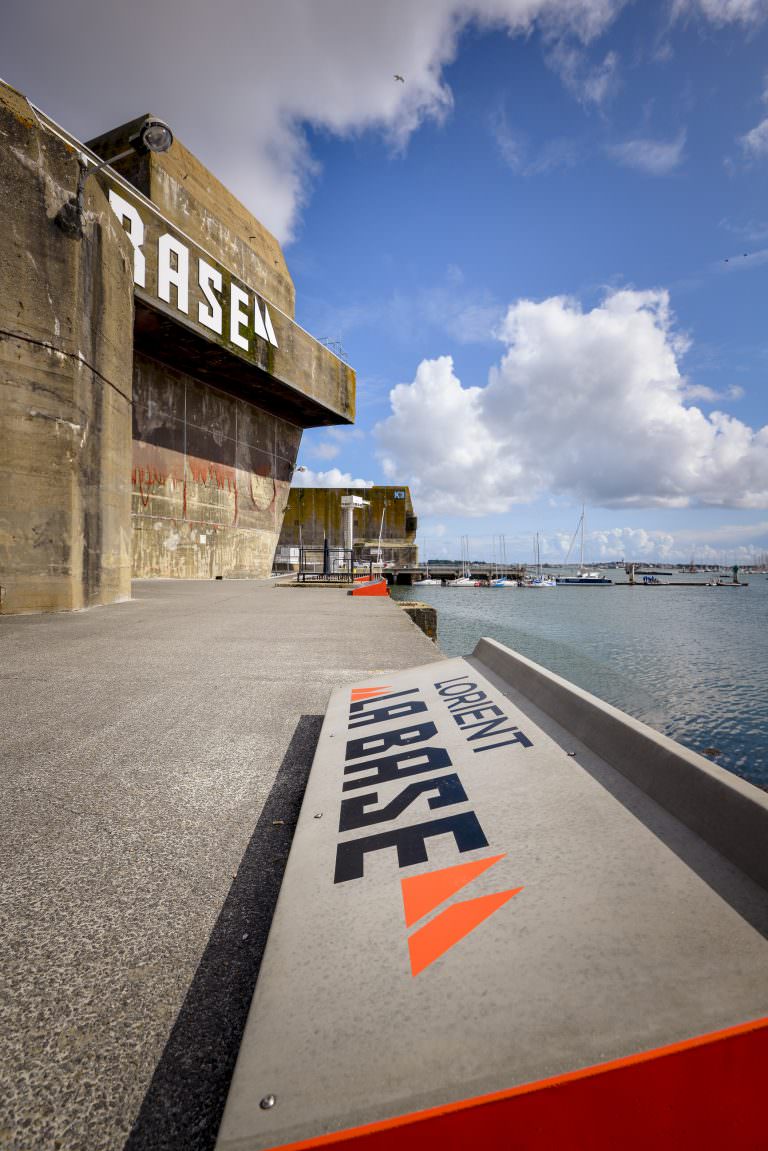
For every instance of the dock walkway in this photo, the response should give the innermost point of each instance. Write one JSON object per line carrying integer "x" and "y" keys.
{"x": 154, "y": 755}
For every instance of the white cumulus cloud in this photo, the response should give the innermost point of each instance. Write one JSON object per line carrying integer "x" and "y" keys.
{"x": 656, "y": 157}
{"x": 727, "y": 544}
{"x": 333, "y": 478}
{"x": 723, "y": 11}
{"x": 589, "y": 404}
{"x": 438, "y": 436}
{"x": 241, "y": 94}
{"x": 755, "y": 142}
{"x": 590, "y": 83}
{"x": 521, "y": 156}
{"x": 325, "y": 450}
{"x": 241, "y": 91}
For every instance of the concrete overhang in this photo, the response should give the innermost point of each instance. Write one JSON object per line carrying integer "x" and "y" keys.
{"x": 162, "y": 337}
{"x": 198, "y": 312}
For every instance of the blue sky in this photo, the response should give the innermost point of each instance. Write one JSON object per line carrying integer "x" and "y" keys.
{"x": 526, "y": 189}
{"x": 532, "y": 250}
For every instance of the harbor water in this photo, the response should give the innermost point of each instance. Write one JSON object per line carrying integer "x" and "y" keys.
{"x": 692, "y": 662}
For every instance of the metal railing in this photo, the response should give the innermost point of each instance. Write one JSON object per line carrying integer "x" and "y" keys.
{"x": 325, "y": 565}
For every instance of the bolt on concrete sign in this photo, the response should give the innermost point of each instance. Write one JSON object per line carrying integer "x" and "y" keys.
{"x": 486, "y": 930}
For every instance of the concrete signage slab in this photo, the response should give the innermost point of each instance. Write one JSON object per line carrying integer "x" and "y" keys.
{"x": 485, "y": 928}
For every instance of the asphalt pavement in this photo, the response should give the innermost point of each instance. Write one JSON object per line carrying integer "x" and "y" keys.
{"x": 154, "y": 755}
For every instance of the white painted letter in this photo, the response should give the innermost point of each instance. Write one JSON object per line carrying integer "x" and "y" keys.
{"x": 238, "y": 317}
{"x": 270, "y": 329}
{"x": 258, "y": 323}
{"x": 167, "y": 275}
{"x": 135, "y": 233}
{"x": 210, "y": 316}
{"x": 263, "y": 325}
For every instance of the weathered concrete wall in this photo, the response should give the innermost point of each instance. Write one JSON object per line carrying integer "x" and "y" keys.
{"x": 66, "y": 311}
{"x": 211, "y": 475}
{"x": 222, "y": 391}
{"x": 312, "y": 513}
{"x": 293, "y": 374}
{"x": 191, "y": 196}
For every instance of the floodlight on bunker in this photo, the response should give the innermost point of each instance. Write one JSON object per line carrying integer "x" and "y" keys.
{"x": 153, "y": 136}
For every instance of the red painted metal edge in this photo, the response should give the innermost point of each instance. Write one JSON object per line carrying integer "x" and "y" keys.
{"x": 706, "y": 1092}
{"x": 370, "y": 585}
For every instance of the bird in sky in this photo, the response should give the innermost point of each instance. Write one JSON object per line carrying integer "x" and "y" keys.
{"x": 400, "y": 78}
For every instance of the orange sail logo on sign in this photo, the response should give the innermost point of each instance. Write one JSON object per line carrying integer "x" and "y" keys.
{"x": 422, "y": 893}
{"x": 359, "y": 693}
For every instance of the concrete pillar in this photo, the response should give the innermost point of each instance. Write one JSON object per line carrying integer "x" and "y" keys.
{"x": 349, "y": 526}
{"x": 66, "y": 339}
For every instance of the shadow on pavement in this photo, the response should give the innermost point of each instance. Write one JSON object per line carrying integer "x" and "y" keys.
{"x": 184, "y": 1103}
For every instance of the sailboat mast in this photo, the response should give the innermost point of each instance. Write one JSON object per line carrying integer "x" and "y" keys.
{"x": 581, "y": 553}
{"x": 381, "y": 532}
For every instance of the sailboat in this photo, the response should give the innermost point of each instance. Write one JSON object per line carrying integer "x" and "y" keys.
{"x": 583, "y": 578}
{"x": 378, "y": 564}
{"x": 465, "y": 579}
{"x": 500, "y": 580}
{"x": 539, "y": 580}
{"x": 427, "y": 581}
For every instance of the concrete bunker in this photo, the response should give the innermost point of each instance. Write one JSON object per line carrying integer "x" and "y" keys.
{"x": 384, "y": 530}
{"x": 155, "y": 382}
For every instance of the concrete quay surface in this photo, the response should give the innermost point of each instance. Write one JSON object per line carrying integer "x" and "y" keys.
{"x": 154, "y": 756}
